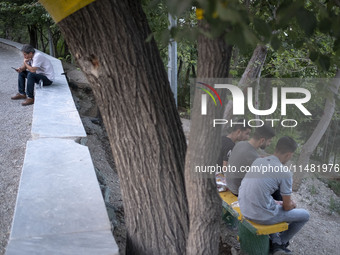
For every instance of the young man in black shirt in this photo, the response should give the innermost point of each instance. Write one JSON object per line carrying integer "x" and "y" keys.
{"x": 239, "y": 132}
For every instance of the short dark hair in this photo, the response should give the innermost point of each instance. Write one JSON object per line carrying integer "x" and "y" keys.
{"x": 26, "y": 48}
{"x": 285, "y": 144}
{"x": 241, "y": 127}
{"x": 264, "y": 131}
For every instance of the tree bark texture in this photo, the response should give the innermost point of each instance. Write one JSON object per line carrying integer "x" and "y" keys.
{"x": 318, "y": 132}
{"x": 108, "y": 40}
{"x": 252, "y": 72}
{"x": 204, "y": 202}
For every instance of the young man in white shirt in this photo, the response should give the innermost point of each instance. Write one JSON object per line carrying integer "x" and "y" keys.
{"x": 36, "y": 67}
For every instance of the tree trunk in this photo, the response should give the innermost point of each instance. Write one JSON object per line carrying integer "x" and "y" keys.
{"x": 180, "y": 69}
{"x": 318, "y": 132}
{"x": 193, "y": 71}
{"x": 129, "y": 81}
{"x": 203, "y": 200}
{"x": 33, "y": 33}
{"x": 252, "y": 72}
{"x": 50, "y": 42}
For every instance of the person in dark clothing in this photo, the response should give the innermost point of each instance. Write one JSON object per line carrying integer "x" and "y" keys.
{"x": 238, "y": 133}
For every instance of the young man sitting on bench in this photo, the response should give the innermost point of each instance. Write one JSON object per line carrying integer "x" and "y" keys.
{"x": 256, "y": 203}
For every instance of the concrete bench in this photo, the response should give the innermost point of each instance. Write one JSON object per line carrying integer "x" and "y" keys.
{"x": 253, "y": 237}
{"x": 59, "y": 207}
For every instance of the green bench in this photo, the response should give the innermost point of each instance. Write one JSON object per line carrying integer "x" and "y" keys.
{"x": 253, "y": 237}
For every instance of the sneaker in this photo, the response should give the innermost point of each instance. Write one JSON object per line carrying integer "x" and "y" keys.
{"x": 280, "y": 249}
{"x": 18, "y": 96}
{"x": 28, "y": 101}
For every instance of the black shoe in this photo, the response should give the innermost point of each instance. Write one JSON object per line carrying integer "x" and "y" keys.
{"x": 286, "y": 249}
{"x": 280, "y": 249}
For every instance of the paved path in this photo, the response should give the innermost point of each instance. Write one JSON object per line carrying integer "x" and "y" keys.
{"x": 15, "y": 131}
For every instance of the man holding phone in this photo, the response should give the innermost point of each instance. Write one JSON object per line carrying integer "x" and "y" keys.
{"x": 36, "y": 67}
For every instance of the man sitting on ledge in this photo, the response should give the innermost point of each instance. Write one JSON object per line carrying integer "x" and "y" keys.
{"x": 256, "y": 203}
{"x": 36, "y": 67}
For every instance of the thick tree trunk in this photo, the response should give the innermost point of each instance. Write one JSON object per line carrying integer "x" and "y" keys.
{"x": 203, "y": 199}
{"x": 252, "y": 72}
{"x": 108, "y": 40}
{"x": 318, "y": 132}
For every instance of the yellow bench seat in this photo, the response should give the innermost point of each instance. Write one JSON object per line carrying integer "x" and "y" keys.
{"x": 229, "y": 198}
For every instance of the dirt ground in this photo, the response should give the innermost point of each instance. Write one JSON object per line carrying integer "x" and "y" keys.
{"x": 319, "y": 236}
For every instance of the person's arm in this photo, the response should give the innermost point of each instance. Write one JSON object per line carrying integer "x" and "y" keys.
{"x": 21, "y": 68}
{"x": 287, "y": 203}
{"x": 30, "y": 68}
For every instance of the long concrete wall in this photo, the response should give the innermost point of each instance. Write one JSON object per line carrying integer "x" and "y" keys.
{"x": 59, "y": 207}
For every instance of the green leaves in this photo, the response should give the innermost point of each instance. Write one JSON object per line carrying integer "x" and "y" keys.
{"x": 275, "y": 43}
{"x": 311, "y": 26}
{"x": 262, "y": 27}
{"x": 324, "y": 62}
{"x": 313, "y": 55}
{"x": 307, "y": 21}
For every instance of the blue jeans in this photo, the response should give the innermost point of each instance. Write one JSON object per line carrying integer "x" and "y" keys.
{"x": 296, "y": 218}
{"x": 31, "y": 79}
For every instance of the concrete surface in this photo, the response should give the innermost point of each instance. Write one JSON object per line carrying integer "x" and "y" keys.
{"x": 59, "y": 197}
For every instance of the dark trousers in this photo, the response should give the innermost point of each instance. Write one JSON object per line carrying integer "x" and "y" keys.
{"x": 31, "y": 79}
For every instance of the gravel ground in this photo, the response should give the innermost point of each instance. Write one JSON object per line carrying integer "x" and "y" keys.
{"x": 15, "y": 130}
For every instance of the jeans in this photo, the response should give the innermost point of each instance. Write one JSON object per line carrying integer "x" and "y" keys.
{"x": 31, "y": 79}
{"x": 296, "y": 218}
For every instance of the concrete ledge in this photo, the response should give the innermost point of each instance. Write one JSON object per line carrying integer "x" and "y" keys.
{"x": 86, "y": 243}
{"x": 59, "y": 195}
{"x": 54, "y": 113}
{"x": 59, "y": 207}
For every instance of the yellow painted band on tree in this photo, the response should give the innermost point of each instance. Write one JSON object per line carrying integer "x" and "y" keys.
{"x": 199, "y": 13}
{"x": 63, "y": 8}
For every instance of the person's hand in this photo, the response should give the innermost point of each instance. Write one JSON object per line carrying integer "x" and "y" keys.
{"x": 278, "y": 202}
{"x": 293, "y": 204}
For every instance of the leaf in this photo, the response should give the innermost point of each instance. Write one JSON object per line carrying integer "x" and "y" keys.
{"x": 227, "y": 14}
{"x": 324, "y": 62}
{"x": 178, "y": 7}
{"x": 250, "y": 37}
{"x": 298, "y": 44}
{"x": 336, "y": 27}
{"x": 336, "y": 46}
{"x": 275, "y": 43}
{"x": 313, "y": 55}
{"x": 325, "y": 25}
{"x": 307, "y": 21}
{"x": 286, "y": 11}
{"x": 262, "y": 27}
